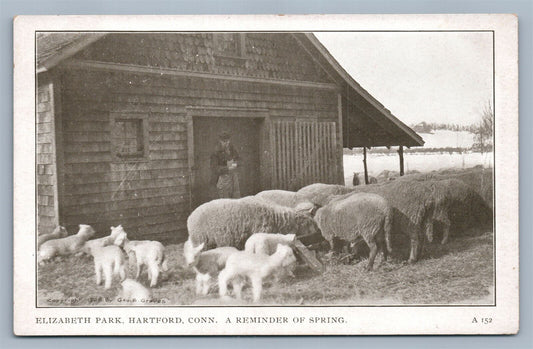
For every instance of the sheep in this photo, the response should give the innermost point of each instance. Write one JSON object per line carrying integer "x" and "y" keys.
{"x": 280, "y": 197}
{"x": 58, "y": 233}
{"x": 67, "y": 245}
{"x": 457, "y": 207}
{"x": 318, "y": 193}
{"x": 355, "y": 180}
{"x": 109, "y": 260}
{"x": 254, "y": 266}
{"x": 230, "y": 222}
{"x": 459, "y": 204}
{"x": 134, "y": 292}
{"x": 147, "y": 252}
{"x": 361, "y": 215}
{"x": 412, "y": 205}
{"x": 206, "y": 264}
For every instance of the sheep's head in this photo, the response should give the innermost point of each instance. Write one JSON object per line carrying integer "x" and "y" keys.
{"x": 117, "y": 232}
{"x": 61, "y": 231}
{"x": 306, "y": 224}
{"x": 121, "y": 239}
{"x": 191, "y": 253}
{"x": 306, "y": 207}
{"x": 286, "y": 254}
{"x": 86, "y": 230}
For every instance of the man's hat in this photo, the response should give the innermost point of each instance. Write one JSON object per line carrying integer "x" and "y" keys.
{"x": 224, "y": 136}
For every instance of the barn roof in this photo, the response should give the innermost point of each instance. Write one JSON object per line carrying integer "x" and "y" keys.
{"x": 53, "y": 48}
{"x": 366, "y": 122}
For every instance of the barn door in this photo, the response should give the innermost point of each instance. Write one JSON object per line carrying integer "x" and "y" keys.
{"x": 245, "y": 135}
{"x": 304, "y": 153}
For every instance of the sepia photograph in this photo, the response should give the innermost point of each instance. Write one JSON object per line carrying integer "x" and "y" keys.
{"x": 264, "y": 169}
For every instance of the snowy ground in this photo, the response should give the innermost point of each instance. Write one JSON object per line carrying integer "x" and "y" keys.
{"x": 420, "y": 162}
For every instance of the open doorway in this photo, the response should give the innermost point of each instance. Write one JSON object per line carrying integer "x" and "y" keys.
{"x": 245, "y": 137}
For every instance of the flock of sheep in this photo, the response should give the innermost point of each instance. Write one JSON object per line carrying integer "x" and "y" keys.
{"x": 245, "y": 240}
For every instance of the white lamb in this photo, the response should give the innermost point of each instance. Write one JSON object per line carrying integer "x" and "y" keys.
{"x": 267, "y": 243}
{"x": 147, "y": 252}
{"x": 101, "y": 242}
{"x": 254, "y": 266}
{"x": 134, "y": 292}
{"x": 109, "y": 260}
{"x": 65, "y": 246}
{"x": 206, "y": 264}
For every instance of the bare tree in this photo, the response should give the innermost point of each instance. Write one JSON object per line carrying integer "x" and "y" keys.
{"x": 483, "y": 128}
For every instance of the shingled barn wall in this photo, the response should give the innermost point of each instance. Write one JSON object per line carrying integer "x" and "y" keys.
{"x": 151, "y": 196}
{"x": 45, "y": 161}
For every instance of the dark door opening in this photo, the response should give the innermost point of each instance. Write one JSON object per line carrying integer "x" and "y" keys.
{"x": 245, "y": 137}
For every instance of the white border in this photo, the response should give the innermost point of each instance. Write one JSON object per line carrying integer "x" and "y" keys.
{"x": 361, "y": 320}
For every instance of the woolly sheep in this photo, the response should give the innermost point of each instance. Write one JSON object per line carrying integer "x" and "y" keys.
{"x": 319, "y": 193}
{"x": 412, "y": 205}
{"x": 67, "y": 245}
{"x": 207, "y": 264}
{"x": 289, "y": 199}
{"x": 362, "y": 215}
{"x": 134, "y": 292}
{"x": 230, "y": 222}
{"x": 280, "y": 197}
{"x": 254, "y": 266}
{"x": 58, "y": 233}
{"x": 147, "y": 253}
{"x": 355, "y": 179}
{"x": 109, "y": 260}
{"x": 457, "y": 207}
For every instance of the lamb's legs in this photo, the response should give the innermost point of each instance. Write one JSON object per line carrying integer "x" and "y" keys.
{"x": 205, "y": 285}
{"x": 237, "y": 287}
{"x": 122, "y": 272}
{"x": 154, "y": 274}
{"x": 257, "y": 288}
{"x": 108, "y": 275}
{"x": 199, "y": 283}
{"x": 223, "y": 283}
{"x": 98, "y": 273}
{"x": 373, "y": 252}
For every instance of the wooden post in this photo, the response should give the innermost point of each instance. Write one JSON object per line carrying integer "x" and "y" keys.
{"x": 364, "y": 165}
{"x": 400, "y": 152}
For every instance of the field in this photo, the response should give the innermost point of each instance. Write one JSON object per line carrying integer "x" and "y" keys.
{"x": 460, "y": 272}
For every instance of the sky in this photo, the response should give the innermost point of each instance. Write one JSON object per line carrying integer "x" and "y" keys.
{"x": 443, "y": 77}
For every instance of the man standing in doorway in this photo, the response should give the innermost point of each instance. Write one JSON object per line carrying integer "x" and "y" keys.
{"x": 224, "y": 165}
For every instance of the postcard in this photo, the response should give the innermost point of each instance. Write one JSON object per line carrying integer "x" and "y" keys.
{"x": 266, "y": 175}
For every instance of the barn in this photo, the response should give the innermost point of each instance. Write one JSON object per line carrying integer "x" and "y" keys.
{"x": 126, "y": 122}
